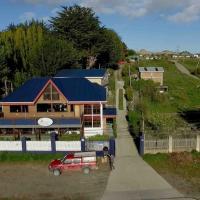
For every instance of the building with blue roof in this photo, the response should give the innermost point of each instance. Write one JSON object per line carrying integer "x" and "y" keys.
{"x": 69, "y": 102}
{"x": 99, "y": 76}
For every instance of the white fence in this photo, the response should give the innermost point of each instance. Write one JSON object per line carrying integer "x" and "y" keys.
{"x": 172, "y": 144}
{"x": 68, "y": 146}
{"x": 10, "y": 146}
{"x": 38, "y": 145}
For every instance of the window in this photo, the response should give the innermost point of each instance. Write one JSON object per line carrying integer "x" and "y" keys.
{"x": 77, "y": 160}
{"x": 96, "y": 122}
{"x": 19, "y": 108}
{"x": 67, "y": 161}
{"x": 72, "y": 108}
{"x": 50, "y": 93}
{"x": 88, "y": 122}
{"x": 96, "y": 109}
{"x": 43, "y": 107}
{"x": 87, "y": 109}
{"x": 57, "y": 107}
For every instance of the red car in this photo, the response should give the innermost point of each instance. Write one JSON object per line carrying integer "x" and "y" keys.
{"x": 84, "y": 161}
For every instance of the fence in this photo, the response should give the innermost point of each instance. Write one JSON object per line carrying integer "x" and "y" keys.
{"x": 53, "y": 146}
{"x": 169, "y": 144}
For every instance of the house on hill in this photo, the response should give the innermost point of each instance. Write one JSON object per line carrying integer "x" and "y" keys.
{"x": 71, "y": 103}
{"x": 152, "y": 73}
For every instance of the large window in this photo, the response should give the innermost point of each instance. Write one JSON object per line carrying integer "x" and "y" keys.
{"x": 43, "y": 107}
{"x": 88, "y": 122}
{"x": 58, "y": 107}
{"x": 96, "y": 109}
{"x": 87, "y": 109}
{"x": 51, "y": 93}
{"x": 96, "y": 122}
{"x": 19, "y": 108}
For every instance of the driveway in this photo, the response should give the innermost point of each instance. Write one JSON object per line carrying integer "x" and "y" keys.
{"x": 133, "y": 178}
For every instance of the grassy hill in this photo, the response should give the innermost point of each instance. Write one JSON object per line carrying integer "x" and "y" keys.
{"x": 161, "y": 110}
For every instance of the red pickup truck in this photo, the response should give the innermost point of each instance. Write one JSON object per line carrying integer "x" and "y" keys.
{"x": 84, "y": 161}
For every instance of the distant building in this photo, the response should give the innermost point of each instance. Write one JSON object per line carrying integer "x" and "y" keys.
{"x": 152, "y": 73}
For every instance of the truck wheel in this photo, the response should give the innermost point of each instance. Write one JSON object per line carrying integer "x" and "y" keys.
{"x": 86, "y": 170}
{"x": 56, "y": 172}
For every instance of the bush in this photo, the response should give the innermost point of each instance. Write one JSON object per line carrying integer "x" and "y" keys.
{"x": 99, "y": 138}
{"x": 114, "y": 128}
{"x": 129, "y": 94}
{"x": 70, "y": 137}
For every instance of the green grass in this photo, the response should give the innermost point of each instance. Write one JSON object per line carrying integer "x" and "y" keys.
{"x": 184, "y": 91}
{"x": 121, "y": 99}
{"x": 70, "y": 137}
{"x": 28, "y": 157}
{"x": 185, "y": 165}
{"x": 183, "y": 95}
{"x": 99, "y": 138}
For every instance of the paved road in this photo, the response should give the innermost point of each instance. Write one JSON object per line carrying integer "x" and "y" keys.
{"x": 132, "y": 178}
{"x": 184, "y": 70}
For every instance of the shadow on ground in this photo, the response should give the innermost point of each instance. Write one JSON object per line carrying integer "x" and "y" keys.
{"x": 192, "y": 117}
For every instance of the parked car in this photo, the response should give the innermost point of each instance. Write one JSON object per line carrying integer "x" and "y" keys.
{"x": 85, "y": 161}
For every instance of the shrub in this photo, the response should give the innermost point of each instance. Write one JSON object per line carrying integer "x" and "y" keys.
{"x": 129, "y": 93}
{"x": 99, "y": 138}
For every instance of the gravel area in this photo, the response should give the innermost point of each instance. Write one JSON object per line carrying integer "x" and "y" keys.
{"x": 34, "y": 181}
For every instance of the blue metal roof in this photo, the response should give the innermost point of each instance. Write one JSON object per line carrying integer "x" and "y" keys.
{"x": 110, "y": 111}
{"x": 80, "y": 89}
{"x": 74, "y": 89}
{"x": 32, "y": 123}
{"x": 81, "y": 73}
{"x": 27, "y": 92}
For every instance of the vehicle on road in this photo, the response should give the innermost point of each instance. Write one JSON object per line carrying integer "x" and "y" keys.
{"x": 85, "y": 161}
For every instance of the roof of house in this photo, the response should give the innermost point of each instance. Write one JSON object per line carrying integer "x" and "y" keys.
{"x": 110, "y": 111}
{"x": 74, "y": 89}
{"x": 81, "y": 73}
{"x": 151, "y": 69}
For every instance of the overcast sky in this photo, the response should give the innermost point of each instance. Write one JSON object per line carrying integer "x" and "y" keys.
{"x": 151, "y": 24}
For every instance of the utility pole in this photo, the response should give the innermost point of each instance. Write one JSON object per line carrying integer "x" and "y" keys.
{"x": 129, "y": 72}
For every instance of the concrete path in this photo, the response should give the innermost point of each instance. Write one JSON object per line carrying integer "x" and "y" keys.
{"x": 183, "y": 69}
{"x": 133, "y": 178}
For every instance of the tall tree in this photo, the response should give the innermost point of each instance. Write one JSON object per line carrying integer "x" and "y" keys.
{"x": 80, "y": 26}
{"x": 32, "y": 50}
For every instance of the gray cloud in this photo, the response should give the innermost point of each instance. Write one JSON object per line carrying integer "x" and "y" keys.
{"x": 173, "y": 10}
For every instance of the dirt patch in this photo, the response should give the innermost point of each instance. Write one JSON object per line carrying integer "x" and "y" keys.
{"x": 33, "y": 181}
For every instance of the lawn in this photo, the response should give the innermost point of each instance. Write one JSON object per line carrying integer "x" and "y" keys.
{"x": 180, "y": 169}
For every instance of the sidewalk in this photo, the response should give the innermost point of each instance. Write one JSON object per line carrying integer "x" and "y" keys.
{"x": 132, "y": 178}
{"x": 184, "y": 70}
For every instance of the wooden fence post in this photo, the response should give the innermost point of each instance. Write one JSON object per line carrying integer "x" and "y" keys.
{"x": 170, "y": 144}
{"x": 198, "y": 143}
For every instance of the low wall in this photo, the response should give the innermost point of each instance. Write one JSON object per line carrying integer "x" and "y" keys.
{"x": 53, "y": 146}
{"x": 68, "y": 146}
{"x": 170, "y": 144}
{"x": 10, "y": 146}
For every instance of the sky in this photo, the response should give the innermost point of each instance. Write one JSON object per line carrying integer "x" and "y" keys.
{"x": 155, "y": 25}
